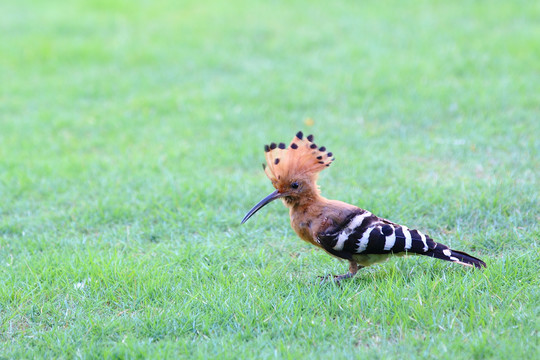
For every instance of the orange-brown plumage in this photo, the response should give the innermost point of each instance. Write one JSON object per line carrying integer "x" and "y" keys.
{"x": 300, "y": 163}
{"x": 343, "y": 230}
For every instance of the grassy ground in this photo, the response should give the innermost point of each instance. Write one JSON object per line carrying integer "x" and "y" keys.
{"x": 131, "y": 138}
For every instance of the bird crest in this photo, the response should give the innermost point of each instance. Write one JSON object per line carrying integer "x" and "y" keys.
{"x": 302, "y": 158}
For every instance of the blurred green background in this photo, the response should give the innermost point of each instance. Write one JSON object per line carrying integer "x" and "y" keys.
{"x": 131, "y": 137}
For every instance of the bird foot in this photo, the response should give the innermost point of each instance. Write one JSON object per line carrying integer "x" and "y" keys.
{"x": 336, "y": 278}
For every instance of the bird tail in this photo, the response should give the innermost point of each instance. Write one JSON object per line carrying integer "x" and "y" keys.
{"x": 443, "y": 252}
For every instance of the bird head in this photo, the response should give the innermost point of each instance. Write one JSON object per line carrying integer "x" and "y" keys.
{"x": 293, "y": 170}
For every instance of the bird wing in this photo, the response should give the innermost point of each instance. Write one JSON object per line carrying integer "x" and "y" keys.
{"x": 365, "y": 233}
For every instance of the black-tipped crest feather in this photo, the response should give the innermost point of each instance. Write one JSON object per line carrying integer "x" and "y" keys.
{"x": 301, "y": 158}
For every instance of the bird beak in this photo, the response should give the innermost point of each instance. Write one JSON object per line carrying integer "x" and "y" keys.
{"x": 273, "y": 196}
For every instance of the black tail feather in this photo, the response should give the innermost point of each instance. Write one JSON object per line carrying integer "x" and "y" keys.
{"x": 444, "y": 253}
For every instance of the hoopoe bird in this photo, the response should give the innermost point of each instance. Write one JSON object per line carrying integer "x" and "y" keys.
{"x": 342, "y": 230}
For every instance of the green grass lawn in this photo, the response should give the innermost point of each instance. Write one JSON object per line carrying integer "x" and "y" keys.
{"x": 131, "y": 143}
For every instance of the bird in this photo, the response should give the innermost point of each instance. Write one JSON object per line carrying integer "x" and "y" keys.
{"x": 342, "y": 230}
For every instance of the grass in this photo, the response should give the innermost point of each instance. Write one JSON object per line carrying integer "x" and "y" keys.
{"x": 131, "y": 139}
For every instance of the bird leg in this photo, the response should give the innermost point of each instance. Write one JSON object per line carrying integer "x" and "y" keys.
{"x": 353, "y": 269}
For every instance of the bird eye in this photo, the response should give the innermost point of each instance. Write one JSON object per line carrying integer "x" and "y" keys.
{"x": 295, "y": 185}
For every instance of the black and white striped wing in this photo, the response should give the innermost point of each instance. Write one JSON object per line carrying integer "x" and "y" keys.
{"x": 365, "y": 233}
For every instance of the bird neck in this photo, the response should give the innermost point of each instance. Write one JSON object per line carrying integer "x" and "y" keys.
{"x": 305, "y": 214}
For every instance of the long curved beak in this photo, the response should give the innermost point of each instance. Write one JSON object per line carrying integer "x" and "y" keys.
{"x": 273, "y": 196}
